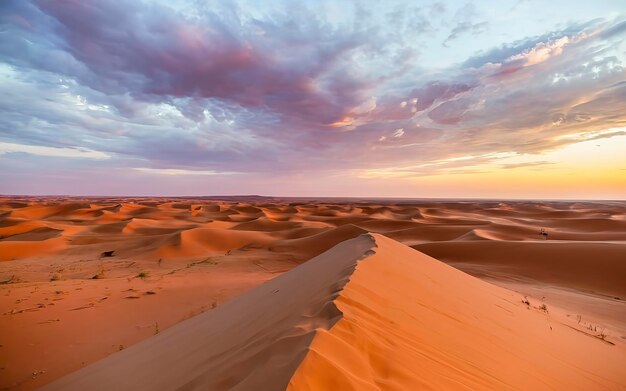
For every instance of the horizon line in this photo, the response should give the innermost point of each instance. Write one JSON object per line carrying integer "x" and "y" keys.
{"x": 365, "y": 198}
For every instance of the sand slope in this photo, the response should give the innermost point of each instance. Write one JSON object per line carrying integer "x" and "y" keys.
{"x": 253, "y": 342}
{"x": 370, "y": 313}
{"x": 174, "y": 258}
{"x": 595, "y": 267}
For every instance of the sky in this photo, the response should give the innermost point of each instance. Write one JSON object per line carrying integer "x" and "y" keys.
{"x": 450, "y": 99}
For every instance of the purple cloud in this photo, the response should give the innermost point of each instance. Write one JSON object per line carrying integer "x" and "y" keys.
{"x": 155, "y": 87}
{"x": 156, "y": 54}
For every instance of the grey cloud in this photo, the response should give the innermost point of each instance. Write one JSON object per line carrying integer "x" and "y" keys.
{"x": 232, "y": 93}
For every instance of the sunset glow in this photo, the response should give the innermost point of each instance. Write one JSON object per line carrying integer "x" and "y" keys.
{"x": 312, "y": 195}
{"x": 519, "y": 99}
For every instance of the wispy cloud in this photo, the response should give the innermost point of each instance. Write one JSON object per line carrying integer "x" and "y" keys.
{"x": 178, "y": 171}
{"x": 526, "y": 164}
{"x": 466, "y": 23}
{"x": 70, "y": 152}
{"x": 277, "y": 89}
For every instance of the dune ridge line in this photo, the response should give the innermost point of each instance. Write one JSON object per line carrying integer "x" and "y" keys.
{"x": 369, "y": 314}
{"x": 235, "y": 347}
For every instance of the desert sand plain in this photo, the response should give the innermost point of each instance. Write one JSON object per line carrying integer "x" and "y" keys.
{"x": 174, "y": 293}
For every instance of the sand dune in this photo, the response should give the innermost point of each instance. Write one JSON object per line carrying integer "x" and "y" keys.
{"x": 589, "y": 266}
{"x": 206, "y": 241}
{"x": 61, "y": 295}
{"x": 20, "y": 249}
{"x": 265, "y": 331}
{"x": 316, "y": 244}
{"x": 269, "y": 225}
{"x": 369, "y": 314}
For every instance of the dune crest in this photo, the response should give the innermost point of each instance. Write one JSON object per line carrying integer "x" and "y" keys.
{"x": 253, "y": 342}
{"x": 411, "y": 322}
{"x": 370, "y": 313}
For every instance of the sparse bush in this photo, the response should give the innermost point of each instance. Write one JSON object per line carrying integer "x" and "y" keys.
{"x": 99, "y": 275}
{"x": 55, "y": 277}
{"x": 10, "y": 280}
{"x": 142, "y": 275}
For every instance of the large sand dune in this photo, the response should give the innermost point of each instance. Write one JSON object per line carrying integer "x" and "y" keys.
{"x": 369, "y": 314}
{"x": 65, "y": 303}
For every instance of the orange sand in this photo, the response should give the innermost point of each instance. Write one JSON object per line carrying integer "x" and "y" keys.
{"x": 370, "y": 314}
{"x": 177, "y": 258}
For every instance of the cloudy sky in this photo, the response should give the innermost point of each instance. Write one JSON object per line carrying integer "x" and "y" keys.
{"x": 507, "y": 99}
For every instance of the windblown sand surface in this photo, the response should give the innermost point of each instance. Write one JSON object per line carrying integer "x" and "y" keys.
{"x": 369, "y": 313}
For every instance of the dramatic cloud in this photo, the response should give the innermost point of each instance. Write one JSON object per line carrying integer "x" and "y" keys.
{"x": 180, "y": 89}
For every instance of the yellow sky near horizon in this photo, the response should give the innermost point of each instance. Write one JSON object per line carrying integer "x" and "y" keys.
{"x": 588, "y": 169}
{"x": 594, "y": 168}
